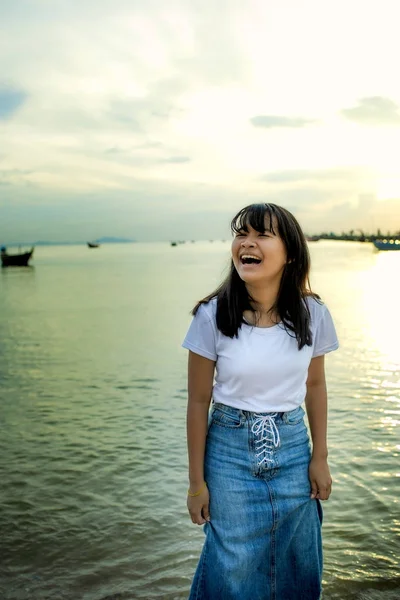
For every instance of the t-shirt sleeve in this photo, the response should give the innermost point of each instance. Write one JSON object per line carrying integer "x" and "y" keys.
{"x": 201, "y": 335}
{"x": 325, "y": 335}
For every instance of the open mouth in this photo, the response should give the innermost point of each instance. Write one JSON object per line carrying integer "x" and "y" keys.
{"x": 250, "y": 260}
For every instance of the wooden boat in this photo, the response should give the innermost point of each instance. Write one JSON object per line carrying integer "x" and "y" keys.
{"x": 92, "y": 245}
{"x": 15, "y": 260}
{"x": 313, "y": 238}
{"x": 387, "y": 244}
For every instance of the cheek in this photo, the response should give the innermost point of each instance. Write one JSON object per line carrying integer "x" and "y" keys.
{"x": 279, "y": 253}
{"x": 282, "y": 252}
{"x": 234, "y": 248}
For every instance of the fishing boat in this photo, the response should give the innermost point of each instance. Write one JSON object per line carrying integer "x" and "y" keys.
{"x": 93, "y": 245}
{"x": 387, "y": 244}
{"x": 15, "y": 260}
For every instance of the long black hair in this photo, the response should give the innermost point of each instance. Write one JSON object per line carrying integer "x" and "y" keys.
{"x": 232, "y": 295}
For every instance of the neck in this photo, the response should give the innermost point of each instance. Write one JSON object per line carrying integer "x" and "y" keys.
{"x": 264, "y": 296}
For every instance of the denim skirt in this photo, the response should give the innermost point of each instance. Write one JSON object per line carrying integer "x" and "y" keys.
{"x": 264, "y": 538}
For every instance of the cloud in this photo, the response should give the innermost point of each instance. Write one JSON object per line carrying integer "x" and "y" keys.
{"x": 177, "y": 159}
{"x": 149, "y": 210}
{"x": 374, "y": 110}
{"x": 288, "y": 176}
{"x": 157, "y": 106}
{"x": 10, "y": 100}
{"x": 145, "y": 155}
{"x": 364, "y": 213}
{"x": 13, "y": 176}
{"x": 270, "y": 121}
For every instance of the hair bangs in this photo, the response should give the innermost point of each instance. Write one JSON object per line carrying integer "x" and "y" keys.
{"x": 255, "y": 216}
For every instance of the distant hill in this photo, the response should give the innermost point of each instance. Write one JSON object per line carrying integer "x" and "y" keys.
{"x": 104, "y": 240}
{"x": 114, "y": 240}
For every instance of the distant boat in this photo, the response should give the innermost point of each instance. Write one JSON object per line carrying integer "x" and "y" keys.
{"x": 92, "y": 245}
{"x": 313, "y": 238}
{"x": 15, "y": 260}
{"x": 387, "y": 244}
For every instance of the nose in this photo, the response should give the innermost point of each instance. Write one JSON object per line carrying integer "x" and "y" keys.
{"x": 246, "y": 243}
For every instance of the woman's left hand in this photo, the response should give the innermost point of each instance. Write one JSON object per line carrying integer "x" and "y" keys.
{"x": 320, "y": 478}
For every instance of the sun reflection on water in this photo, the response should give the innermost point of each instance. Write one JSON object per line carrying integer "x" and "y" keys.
{"x": 380, "y": 292}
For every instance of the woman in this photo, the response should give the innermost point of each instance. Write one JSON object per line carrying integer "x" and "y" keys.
{"x": 255, "y": 484}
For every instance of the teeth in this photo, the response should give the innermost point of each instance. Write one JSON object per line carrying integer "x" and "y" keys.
{"x": 250, "y": 256}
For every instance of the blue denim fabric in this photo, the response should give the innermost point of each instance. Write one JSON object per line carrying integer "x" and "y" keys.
{"x": 264, "y": 538}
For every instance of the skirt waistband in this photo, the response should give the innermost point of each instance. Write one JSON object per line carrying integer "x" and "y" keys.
{"x": 251, "y": 413}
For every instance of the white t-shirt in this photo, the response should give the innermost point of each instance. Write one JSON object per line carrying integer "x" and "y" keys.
{"x": 262, "y": 370}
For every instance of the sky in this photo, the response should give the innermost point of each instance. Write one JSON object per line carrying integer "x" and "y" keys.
{"x": 160, "y": 120}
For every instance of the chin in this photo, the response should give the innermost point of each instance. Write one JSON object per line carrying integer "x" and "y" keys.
{"x": 250, "y": 277}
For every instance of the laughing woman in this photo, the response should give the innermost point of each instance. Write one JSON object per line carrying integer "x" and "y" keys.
{"x": 254, "y": 481}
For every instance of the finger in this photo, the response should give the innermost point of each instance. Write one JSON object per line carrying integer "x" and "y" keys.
{"x": 206, "y": 512}
{"x": 314, "y": 489}
{"x": 197, "y": 518}
{"x": 324, "y": 493}
{"x": 193, "y": 515}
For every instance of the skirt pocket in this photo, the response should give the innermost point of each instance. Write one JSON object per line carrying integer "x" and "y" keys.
{"x": 226, "y": 416}
{"x": 294, "y": 417}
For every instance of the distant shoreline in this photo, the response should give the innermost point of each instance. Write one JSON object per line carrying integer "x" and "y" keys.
{"x": 79, "y": 243}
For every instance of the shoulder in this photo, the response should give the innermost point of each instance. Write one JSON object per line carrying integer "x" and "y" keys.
{"x": 208, "y": 310}
{"x": 316, "y": 307}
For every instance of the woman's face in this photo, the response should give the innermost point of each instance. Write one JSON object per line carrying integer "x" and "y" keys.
{"x": 267, "y": 247}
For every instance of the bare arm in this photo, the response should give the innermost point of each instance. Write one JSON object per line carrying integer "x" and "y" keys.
{"x": 317, "y": 406}
{"x": 317, "y": 412}
{"x": 200, "y": 383}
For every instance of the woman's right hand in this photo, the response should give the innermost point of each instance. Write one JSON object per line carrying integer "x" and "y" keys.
{"x": 199, "y": 507}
